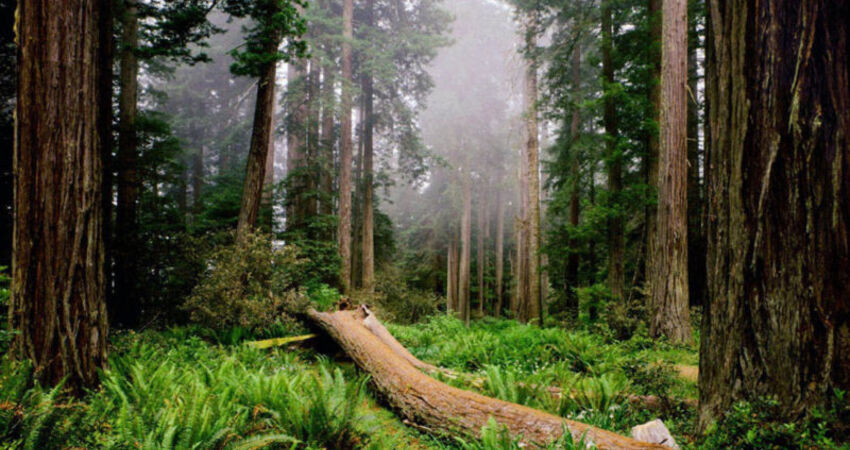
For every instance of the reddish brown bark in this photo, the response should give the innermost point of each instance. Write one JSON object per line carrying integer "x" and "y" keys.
{"x": 616, "y": 251}
{"x": 465, "y": 248}
{"x": 500, "y": 252}
{"x": 57, "y": 296}
{"x": 438, "y": 406}
{"x": 668, "y": 301}
{"x": 344, "y": 234}
{"x": 777, "y": 318}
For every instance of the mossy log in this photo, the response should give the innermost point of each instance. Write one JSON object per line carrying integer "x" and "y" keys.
{"x": 436, "y": 406}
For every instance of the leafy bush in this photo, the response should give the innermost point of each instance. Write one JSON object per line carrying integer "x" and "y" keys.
{"x": 395, "y": 301}
{"x": 5, "y": 333}
{"x": 248, "y": 285}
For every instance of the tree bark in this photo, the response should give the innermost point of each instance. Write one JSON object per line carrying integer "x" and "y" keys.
{"x": 255, "y": 172}
{"x": 575, "y": 178}
{"x": 126, "y": 307}
{"x": 777, "y": 319}
{"x": 480, "y": 256}
{"x": 295, "y": 143}
{"x": 534, "y": 301}
{"x": 652, "y": 139}
{"x": 500, "y": 251}
{"x": 668, "y": 306}
{"x": 465, "y": 242}
{"x": 451, "y": 276}
{"x": 439, "y": 407}
{"x": 344, "y": 234}
{"x": 328, "y": 140}
{"x": 368, "y": 249}
{"x": 616, "y": 251}
{"x": 57, "y": 297}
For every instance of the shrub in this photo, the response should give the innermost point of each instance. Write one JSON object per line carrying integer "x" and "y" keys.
{"x": 249, "y": 285}
{"x": 395, "y": 301}
{"x": 5, "y": 333}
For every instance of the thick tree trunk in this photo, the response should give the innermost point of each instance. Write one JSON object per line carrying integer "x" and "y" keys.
{"x": 668, "y": 302}
{"x": 126, "y": 309}
{"x": 534, "y": 301}
{"x": 777, "y": 321}
{"x": 575, "y": 177}
{"x": 255, "y": 172}
{"x": 57, "y": 298}
{"x": 368, "y": 249}
{"x": 344, "y": 234}
{"x": 465, "y": 251}
{"x": 500, "y": 252}
{"x": 616, "y": 251}
{"x": 437, "y": 406}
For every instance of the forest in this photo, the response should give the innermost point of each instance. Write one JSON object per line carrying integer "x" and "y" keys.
{"x": 424, "y": 224}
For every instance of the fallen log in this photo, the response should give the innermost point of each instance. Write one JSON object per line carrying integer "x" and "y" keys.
{"x": 437, "y": 406}
{"x": 374, "y": 325}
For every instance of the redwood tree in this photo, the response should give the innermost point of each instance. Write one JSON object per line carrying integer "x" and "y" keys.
{"x": 345, "y": 148}
{"x": 777, "y": 320}
{"x": 57, "y": 299}
{"x": 668, "y": 301}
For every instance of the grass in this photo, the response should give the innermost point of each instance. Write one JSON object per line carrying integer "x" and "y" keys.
{"x": 180, "y": 389}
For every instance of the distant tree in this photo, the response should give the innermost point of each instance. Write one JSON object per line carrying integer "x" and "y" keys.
{"x": 669, "y": 313}
{"x": 345, "y": 152}
{"x": 777, "y": 320}
{"x": 275, "y": 21}
{"x": 58, "y": 292}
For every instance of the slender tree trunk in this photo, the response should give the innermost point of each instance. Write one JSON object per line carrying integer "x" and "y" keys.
{"x": 268, "y": 179}
{"x": 126, "y": 308}
{"x": 197, "y": 179}
{"x": 616, "y": 276}
{"x": 653, "y": 144}
{"x": 500, "y": 251}
{"x": 480, "y": 256}
{"x": 368, "y": 250}
{"x": 452, "y": 276}
{"x": 58, "y": 289}
{"x": 255, "y": 172}
{"x": 575, "y": 178}
{"x": 534, "y": 301}
{"x": 668, "y": 306}
{"x": 777, "y": 321}
{"x": 465, "y": 242}
{"x": 328, "y": 140}
{"x": 313, "y": 108}
{"x": 344, "y": 234}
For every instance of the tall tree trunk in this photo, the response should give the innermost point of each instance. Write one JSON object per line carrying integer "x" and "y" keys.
{"x": 255, "y": 171}
{"x": 313, "y": 107}
{"x": 481, "y": 252}
{"x": 534, "y": 301}
{"x": 344, "y": 234}
{"x": 368, "y": 249}
{"x": 668, "y": 306}
{"x": 575, "y": 177}
{"x": 616, "y": 252}
{"x": 57, "y": 298}
{"x": 653, "y": 143}
{"x": 777, "y": 321}
{"x": 126, "y": 308}
{"x": 465, "y": 242}
{"x": 328, "y": 140}
{"x": 268, "y": 179}
{"x": 452, "y": 276}
{"x": 500, "y": 251}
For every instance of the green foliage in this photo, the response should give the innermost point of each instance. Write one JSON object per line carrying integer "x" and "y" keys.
{"x": 5, "y": 334}
{"x": 757, "y": 425}
{"x": 495, "y": 436}
{"x": 249, "y": 284}
{"x": 395, "y": 301}
{"x": 274, "y": 21}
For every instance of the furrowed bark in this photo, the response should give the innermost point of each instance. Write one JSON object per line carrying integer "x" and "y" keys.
{"x": 345, "y": 151}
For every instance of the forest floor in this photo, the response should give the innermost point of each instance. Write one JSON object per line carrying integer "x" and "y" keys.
{"x": 180, "y": 389}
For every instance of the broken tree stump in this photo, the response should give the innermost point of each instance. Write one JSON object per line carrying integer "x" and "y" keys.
{"x": 443, "y": 408}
